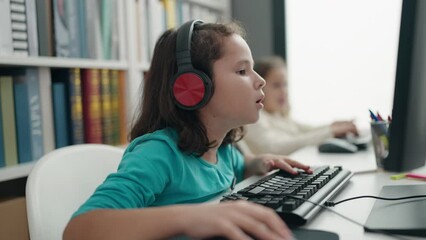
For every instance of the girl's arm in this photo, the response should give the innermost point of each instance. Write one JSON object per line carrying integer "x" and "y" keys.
{"x": 233, "y": 220}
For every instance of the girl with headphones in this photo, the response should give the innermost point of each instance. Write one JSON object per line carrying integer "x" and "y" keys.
{"x": 201, "y": 88}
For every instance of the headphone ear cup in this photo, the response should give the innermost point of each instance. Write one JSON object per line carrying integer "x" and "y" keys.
{"x": 191, "y": 90}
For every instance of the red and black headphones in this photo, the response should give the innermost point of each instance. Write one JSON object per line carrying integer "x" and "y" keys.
{"x": 192, "y": 88}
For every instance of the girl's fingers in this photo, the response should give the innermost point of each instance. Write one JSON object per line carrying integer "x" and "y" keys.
{"x": 284, "y": 166}
{"x": 293, "y": 164}
{"x": 297, "y": 164}
{"x": 264, "y": 223}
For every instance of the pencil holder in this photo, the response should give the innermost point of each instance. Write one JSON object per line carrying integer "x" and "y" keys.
{"x": 380, "y": 137}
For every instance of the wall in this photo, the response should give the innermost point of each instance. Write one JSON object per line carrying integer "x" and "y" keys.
{"x": 256, "y": 18}
{"x": 341, "y": 58}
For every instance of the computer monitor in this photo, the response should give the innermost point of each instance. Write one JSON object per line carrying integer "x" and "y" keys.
{"x": 407, "y": 146}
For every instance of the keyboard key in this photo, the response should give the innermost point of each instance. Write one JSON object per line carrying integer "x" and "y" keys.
{"x": 256, "y": 190}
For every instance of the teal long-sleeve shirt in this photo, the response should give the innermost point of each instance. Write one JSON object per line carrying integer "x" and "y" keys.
{"x": 154, "y": 172}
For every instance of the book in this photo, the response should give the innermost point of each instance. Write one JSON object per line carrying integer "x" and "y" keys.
{"x": 157, "y": 24}
{"x": 29, "y": 128}
{"x": 62, "y": 39}
{"x": 92, "y": 111}
{"x": 31, "y": 17}
{"x": 121, "y": 30}
{"x": 60, "y": 113}
{"x": 81, "y": 12}
{"x": 76, "y": 107}
{"x": 72, "y": 25}
{"x": 142, "y": 30}
{"x": 115, "y": 104}
{"x": 106, "y": 28}
{"x": 45, "y": 27}
{"x": 5, "y": 29}
{"x": 20, "y": 46}
{"x": 8, "y": 122}
{"x": 107, "y": 128}
{"x": 70, "y": 84}
{"x": 114, "y": 44}
{"x": 2, "y": 158}
{"x": 170, "y": 8}
{"x": 122, "y": 106}
{"x": 93, "y": 30}
{"x": 47, "y": 109}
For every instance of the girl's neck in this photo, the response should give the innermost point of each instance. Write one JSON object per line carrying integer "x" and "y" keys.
{"x": 216, "y": 131}
{"x": 216, "y": 134}
{"x": 210, "y": 156}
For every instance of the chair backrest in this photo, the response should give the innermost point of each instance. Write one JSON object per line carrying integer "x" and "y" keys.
{"x": 61, "y": 181}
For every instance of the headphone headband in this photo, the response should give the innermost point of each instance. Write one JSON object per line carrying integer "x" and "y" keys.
{"x": 183, "y": 43}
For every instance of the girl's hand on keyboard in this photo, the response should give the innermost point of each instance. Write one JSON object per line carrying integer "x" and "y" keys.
{"x": 264, "y": 163}
{"x": 233, "y": 220}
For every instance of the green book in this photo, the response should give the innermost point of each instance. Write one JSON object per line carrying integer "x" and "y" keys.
{"x": 9, "y": 127}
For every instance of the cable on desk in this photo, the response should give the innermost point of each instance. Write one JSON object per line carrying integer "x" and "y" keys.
{"x": 332, "y": 204}
{"x": 351, "y": 220}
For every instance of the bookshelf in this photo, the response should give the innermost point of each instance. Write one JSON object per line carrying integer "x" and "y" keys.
{"x": 133, "y": 42}
{"x": 55, "y": 62}
{"x": 14, "y": 172}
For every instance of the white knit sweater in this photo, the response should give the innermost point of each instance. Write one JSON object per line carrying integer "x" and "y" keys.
{"x": 276, "y": 134}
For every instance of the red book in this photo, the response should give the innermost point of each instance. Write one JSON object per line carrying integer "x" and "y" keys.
{"x": 92, "y": 111}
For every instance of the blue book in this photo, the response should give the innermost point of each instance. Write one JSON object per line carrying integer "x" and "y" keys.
{"x": 81, "y": 11}
{"x": 2, "y": 155}
{"x": 71, "y": 80}
{"x": 29, "y": 127}
{"x": 72, "y": 25}
{"x": 60, "y": 113}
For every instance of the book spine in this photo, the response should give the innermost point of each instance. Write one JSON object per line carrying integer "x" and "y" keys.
{"x": 36, "y": 120}
{"x": 2, "y": 155}
{"x": 76, "y": 104}
{"x": 121, "y": 25}
{"x": 44, "y": 24}
{"x": 61, "y": 31}
{"x": 106, "y": 28}
{"x": 122, "y": 106}
{"x": 142, "y": 24}
{"x": 60, "y": 114}
{"x": 106, "y": 107}
{"x": 115, "y": 112}
{"x": 9, "y": 126}
{"x": 47, "y": 109}
{"x": 5, "y": 28}
{"x": 28, "y": 116}
{"x": 20, "y": 46}
{"x": 92, "y": 112}
{"x": 72, "y": 15}
{"x": 32, "y": 27}
{"x": 82, "y": 28}
{"x": 22, "y": 119}
{"x": 170, "y": 8}
{"x": 93, "y": 30}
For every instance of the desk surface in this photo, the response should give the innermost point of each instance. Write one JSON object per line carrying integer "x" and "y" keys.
{"x": 362, "y": 183}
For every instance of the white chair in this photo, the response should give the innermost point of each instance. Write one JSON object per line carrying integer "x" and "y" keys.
{"x": 61, "y": 181}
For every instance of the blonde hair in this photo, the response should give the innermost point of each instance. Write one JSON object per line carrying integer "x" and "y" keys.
{"x": 264, "y": 65}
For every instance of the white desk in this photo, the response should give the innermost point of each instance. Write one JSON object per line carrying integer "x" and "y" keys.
{"x": 365, "y": 183}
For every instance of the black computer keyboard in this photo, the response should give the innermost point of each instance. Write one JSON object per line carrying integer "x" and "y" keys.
{"x": 282, "y": 191}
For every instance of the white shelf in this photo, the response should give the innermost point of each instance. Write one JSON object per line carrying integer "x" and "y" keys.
{"x": 220, "y": 5}
{"x": 143, "y": 66}
{"x": 14, "y": 172}
{"x": 61, "y": 62}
